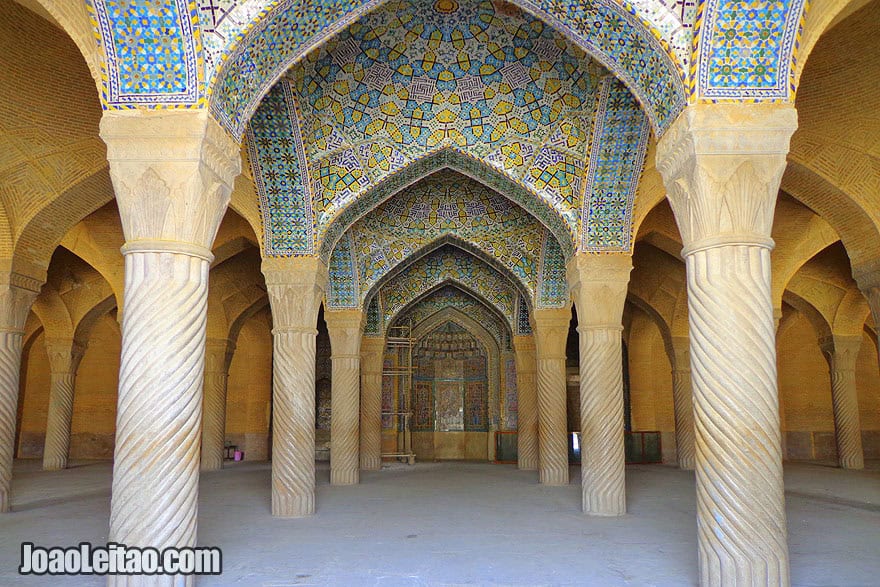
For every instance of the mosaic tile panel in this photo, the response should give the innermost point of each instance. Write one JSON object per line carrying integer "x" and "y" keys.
{"x": 523, "y": 324}
{"x": 328, "y": 230}
{"x": 153, "y": 53}
{"x": 343, "y": 282}
{"x": 552, "y": 287}
{"x": 447, "y": 264}
{"x": 255, "y": 53}
{"x": 443, "y": 204}
{"x": 412, "y": 77}
{"x": 616, "y": 162}
{"x": 747, "y": 49}
{"x": 387, "y": 395}
{"x": 511, "y": 405}
{"x": 450, "y": 296}
{"x": 278, "y": 168}
{"x": 373, "y": 326}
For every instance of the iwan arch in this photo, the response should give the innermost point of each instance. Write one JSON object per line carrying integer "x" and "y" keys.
{"x": 211, "y": 210}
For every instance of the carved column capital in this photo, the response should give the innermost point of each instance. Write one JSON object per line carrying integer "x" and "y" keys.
{"x": 372, "y": 353}
{"x": 681, "y": 354}
{"x": 17, "y": 295}
{"x": 841, "y": 352}
{"x": 345, "y": 328}
{"x": 550, "y": 326}
{"x": 64, "y": 355}
{"x": 296, "y": 287}
{"x": 598, "y": 285}
{"x": 867, "y": 277}
{"x": 722, "y": 165}
{"x": 173, "y": 173}
{"x": 218, "y": 353}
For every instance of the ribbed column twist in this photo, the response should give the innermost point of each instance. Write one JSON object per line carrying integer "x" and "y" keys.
{"x": 551, "y": 331}
{"x": 64, "y": 359}
{"x": 345, "y": 327}
{"x": 527, "y": 402}
{"x": 842, "y": 353}
{"x": 372, "y": 355}
{"x": 16, "y": 300}
{"x": 722, "y": 166}
{"x": 159, "y": 409}
{"x": 603, "y": 459}
{"x": 598, "y": 285}
{"x": 293, "y": 423}
{"x": 683, "y": 403}
{"x": 218, "y": 353}
{"x": 296, "y": 288}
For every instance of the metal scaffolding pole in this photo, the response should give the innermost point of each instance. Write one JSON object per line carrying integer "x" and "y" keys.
{"x": 400, "y": 342}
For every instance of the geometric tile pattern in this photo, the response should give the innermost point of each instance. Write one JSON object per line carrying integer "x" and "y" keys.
{"x": 153, "y": 54}
{"x": 451, "y": 296}
{"x": 747, "y": 49}
{"x": 552, "y": 286}
{"x": 447, "y": 264}
{"x": 635, "y": 40}
{"x": 443, "y": 204}
{"x": 278, "y": 167}
{"x": 523, "y": 325}
{"x": 617, "y": 157}
{"x": 414, "y": 77}
{"x": 511, "y": 403}
{"x": 343, "y": 284}
{"x": 328, "y": 230}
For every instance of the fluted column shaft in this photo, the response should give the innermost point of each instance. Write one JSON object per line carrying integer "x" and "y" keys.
{"x": 372, "y": 355}
{"x": 296, "y": 288}
{"x": 17, "y": 295}
{"x": 722, "y": 165}
{"x": 64, "y": 359}
{"x": 345, "y": 327}
{"x": 172, "y": 172}
{"x": 842, "y": 352}
{"x": 683, "y": 404}
{"x": 598, "y": 285}
{"x": 527, "y": 402}
{"x": 550, "y": 328}
{"x": 218, "y": 353}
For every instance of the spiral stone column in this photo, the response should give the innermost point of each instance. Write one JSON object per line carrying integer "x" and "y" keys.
{"x": 550, "y": 328}
{"x": 218, "y": 355}
{"x": 296, "y": 287}
{"x": 64, "y": 359}
{"x": 345, "y": 328}
{"x": 722, "y": 165}
{"x": 598, "y": 285}
{"x": 842, "y": 352}
{"x": 172, "y": 172}
{"x": 527, "y": 402}
{"x": 372, "y": 356}
{"x": 17, "y": 295}
{"x": 683, "y": 403}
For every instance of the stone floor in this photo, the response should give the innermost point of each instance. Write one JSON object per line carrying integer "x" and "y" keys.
{"x": 457, "y": 524}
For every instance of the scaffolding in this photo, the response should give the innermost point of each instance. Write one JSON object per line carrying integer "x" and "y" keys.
{"x": 400, "y": 342}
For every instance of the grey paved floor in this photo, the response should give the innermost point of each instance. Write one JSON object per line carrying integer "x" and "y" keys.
{"x": 457, "y": 524}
